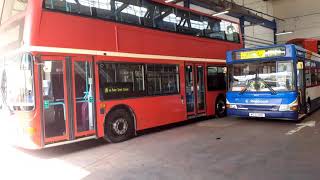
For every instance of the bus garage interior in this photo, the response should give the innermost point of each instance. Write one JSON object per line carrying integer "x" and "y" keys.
{"x": 160, "y": 89}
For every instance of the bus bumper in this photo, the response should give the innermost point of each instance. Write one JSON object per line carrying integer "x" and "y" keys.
{"x": 15, "y": 133}
{"x": 288, "y": 115}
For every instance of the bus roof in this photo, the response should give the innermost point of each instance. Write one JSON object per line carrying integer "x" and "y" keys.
{"x": 306, "y": 54}
{"x": 282, "y": 51}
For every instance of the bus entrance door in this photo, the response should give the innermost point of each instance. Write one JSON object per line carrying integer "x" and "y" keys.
{"x": 55, "y": 116}
{"x": 195, "y": 89}
{"x": 83, "y": 96}
{"x": 67, "y": 98}
{"x": 301, "y": 87}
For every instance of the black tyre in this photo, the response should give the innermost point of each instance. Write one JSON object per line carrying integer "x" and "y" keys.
{"x": 308, "y": 108}
{"x": 119, "y": 126}
{"x": 221, "y": 110}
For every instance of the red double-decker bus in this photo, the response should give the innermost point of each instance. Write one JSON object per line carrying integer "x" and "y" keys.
{"x": 309, "y": 44}
{"x": 73, "y": 70}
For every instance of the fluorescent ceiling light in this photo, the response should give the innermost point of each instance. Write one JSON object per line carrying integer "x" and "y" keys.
{"x": 283, "y": 33}
{"x": 220, "y": 13}
{"x": 167, "y": 1}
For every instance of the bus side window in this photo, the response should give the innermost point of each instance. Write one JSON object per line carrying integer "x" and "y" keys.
{"x": 232, "y": 32}
{"x": 216, "y": 78}
{"x": 162, "y": 79}
{"x": 307, "y": 73}
{"x": 71, "y": 6}
{"x": 318, "y": 69}
{"x": 121, "y": 80}
{"x": 314, "y": 76}
{"x": 129, "y": 11}
{"x": 104, "y": 9}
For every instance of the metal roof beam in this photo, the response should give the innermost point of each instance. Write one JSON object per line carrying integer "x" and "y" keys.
{"x": 236, "y": 11}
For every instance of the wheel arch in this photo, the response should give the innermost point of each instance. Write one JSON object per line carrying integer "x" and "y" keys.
{"x": 125, "y": 107}
{"x": 309, "y": 100}
{"x": 219, "y": 96}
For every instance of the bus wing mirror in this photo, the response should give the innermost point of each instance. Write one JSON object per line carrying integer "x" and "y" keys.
{"x": 300, "y": 65}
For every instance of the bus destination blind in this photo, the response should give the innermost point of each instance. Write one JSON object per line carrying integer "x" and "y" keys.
{"x": 260, "y": 53}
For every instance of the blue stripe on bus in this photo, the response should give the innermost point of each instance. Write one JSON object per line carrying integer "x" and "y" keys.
{"x": 265, "y": 98}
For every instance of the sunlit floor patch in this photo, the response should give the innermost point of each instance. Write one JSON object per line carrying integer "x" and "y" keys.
{"x": 301, "y": 126}
{"x": 16, "y": 164}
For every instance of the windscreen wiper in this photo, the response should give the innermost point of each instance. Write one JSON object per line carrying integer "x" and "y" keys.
{"x": 267, "y": 85}
{"x": 246, "y": 87}
{"x": 243, "y": 90}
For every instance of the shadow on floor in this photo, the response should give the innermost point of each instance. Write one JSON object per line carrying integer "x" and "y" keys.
{"x": 54, "y": 152}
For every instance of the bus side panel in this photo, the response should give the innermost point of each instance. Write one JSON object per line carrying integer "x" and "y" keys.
{"x": 314, "y": 94}
{"x": 95, "y": 34}
{"x": 153, "y": 111}
{"x": 164, "y": 43}
{"x": 149, "y": 111}
{"x": 76, "y": 32}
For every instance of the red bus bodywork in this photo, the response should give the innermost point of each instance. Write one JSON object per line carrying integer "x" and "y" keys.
{"x": 49, "y": 34}
{"x": 309, "y": 44}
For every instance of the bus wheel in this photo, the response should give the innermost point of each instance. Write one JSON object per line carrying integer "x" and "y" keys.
{"x": 119, "y": 126}
{"x": 221, "y": 107}
{"x": 308, "y": 108}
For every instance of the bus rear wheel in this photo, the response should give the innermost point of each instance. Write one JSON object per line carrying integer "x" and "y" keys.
{"x": 221, "y": 107}
{"x": 119, "y": 126}
{"x": 308, "y": 108}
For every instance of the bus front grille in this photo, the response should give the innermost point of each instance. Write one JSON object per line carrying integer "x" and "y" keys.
{"x": 259, "y": 107}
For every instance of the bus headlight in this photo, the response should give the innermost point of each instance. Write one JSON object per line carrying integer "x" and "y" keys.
{"x": 289, "y": 107}
{"x": 284, "y": 107}
{"x": 231, "y": 106}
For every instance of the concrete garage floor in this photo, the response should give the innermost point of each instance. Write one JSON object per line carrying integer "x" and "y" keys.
{"x": 217, "y": 149}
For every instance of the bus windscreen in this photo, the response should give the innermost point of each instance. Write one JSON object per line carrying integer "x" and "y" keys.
{"x": 261, "y": 77}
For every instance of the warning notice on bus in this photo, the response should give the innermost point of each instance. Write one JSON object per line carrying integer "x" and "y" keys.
{"x": 117, "y": 90}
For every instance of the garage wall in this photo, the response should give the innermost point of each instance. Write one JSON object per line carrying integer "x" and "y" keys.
{"x": 301, "y": 16}
{"x": 256, "y": 35}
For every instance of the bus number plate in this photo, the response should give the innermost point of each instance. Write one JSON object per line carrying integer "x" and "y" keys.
{"x": 257, "y": 114}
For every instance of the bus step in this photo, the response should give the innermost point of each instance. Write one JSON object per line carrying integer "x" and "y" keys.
{"x": 301, "y": 116}
{"x": 196, "y": 116}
